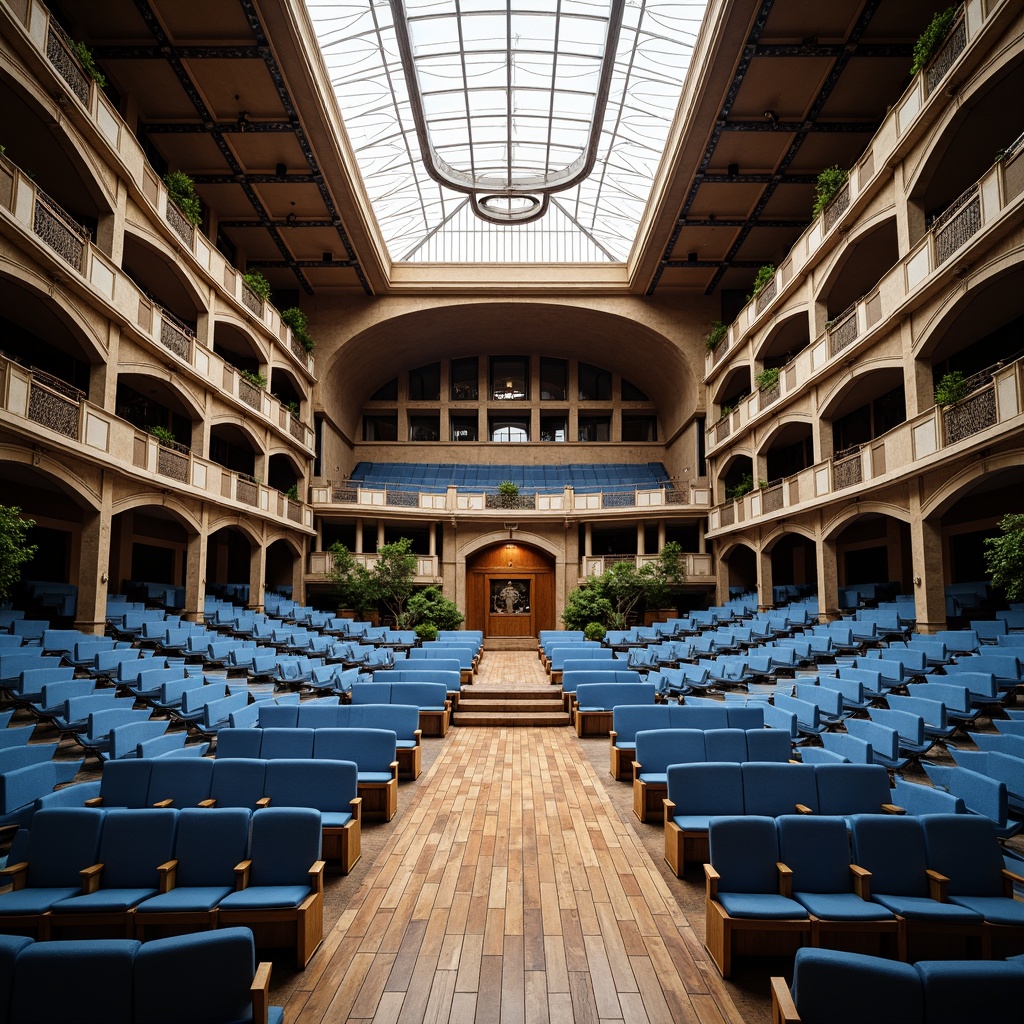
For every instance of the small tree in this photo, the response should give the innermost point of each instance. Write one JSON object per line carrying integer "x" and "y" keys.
{"x": 393, "y": 575}
{"x": 258, "y": 284}
{"x": 762, "y": 279}
{"x": 508, "y": 494}
{"x": 182, "y": 190}
{"x": 829, "y": 182}
{"x": 430, "y": 607}
{"x": 594, "y": 631}
{"x": 586, "y": 604}
{"x": 716, "y": 335}
{"x": 353, "y": 582}
{"x": 931, "y": 38}
{"x": 1004, "y": 557}
{"x": 951, "y": 389}
{"x": 14, "y": 552}
{"x": 299, "y": 323}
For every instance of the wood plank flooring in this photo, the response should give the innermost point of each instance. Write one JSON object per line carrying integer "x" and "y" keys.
{"x": 510, "y": 891}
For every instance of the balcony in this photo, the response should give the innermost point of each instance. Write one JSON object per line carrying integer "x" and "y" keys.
{"x": 428, "y": 567}
{"x": 59, "y": 230}
{"x": 994, "y": 406}
{"x": 698, "y": 567}
{"x": 60, "y": 50}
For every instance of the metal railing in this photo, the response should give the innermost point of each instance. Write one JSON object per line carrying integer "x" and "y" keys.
{"x": 175, "y": 334}
{"x": 251, "y": 300}
{"x": 247, "y": 490}
{"x": 970, "y": 415}
{"x": 838, "y": 205}
{"x": 58, "y": 229}
{"x": 250, "y": 393}
{"x": 54, "y": 403}
{"x": 956, "y": 224}
{"x": 182, "y": 226}
{"x": 955, "y": 43}
{"x": 60, "y": 51}
{"x": 771, "y": 498}
{"x": 766, "y": 396}
{"x": 847, "y": 468}
{"x": 765, "y": 296}
{"x": 843, "y": 330}
{"x": 172, "y": 460}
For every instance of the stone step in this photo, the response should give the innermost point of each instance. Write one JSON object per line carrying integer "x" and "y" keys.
{"x": 469, "y": 705}
{"x": 510, "y": 643}
{"x": 518, "y": 693}
{"x": 492, "y": 718}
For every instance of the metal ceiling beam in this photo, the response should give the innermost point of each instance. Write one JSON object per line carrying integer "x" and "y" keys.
{"x": 237, "y": 127}
{"x": 183, "y": 52}
{"x": 255, "y": 179}
{"x": 280, "y": 223}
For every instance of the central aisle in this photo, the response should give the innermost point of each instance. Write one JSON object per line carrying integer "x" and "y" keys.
{"x": 511, "y": 891}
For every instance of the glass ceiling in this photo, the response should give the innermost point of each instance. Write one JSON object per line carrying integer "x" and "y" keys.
{"x": 501, "y": 96}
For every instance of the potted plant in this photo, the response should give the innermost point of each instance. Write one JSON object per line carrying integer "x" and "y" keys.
{"x": 256, "y": 379}
{"x": 726, "y": 411}
{"x": 828, "y": 185}
{"x": 929, "y": 41}
{"x": 716, "y": 335}
{"x": 765, "y": 275}
{"x": 353, "y": 583}
{"x": 181, "y": 190}
{"x": 594, "y": 631}
{"x": 767, "y": 379}
{"x": 292, "y": 494}
{"x": 426, "y": 631}
{"x": 162, "y": 434}
{"x": 257, "y": 284}
{"x": 508, "y": 494}
{"x": 430, "y": 607}
{"x": 744, "y": 485}
{"x": 951, "y": 389}
{"x": 88, "y": 62}
{"x": 298, "y": 322}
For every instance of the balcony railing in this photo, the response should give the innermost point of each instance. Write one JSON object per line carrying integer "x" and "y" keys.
{"x": 61, "y": 54}
{"x": 970, "y": 415}
{"x": 766, "y": 296}
{"x": 59, "y": 230}
{"x": 772, "y": 393}
{"x": 954, "y": 44}
{"x": 246, "y": 489}
{"x": 842, "y": 331}
{"x": 250, "y": 394}
{"x": 253, "y": 302}
{"x": 54, "y": 403}
{"x": 173, "y": 460}
{"x": 771, "y": 498}
{"x": 847, "y": 469}
{"x": 838, "y": 205}
{"x": 176, "y": 335}
{"x": 183, "y": 227}
{"x": 321, "y": 563}
{"x": 695, "y": 564}
{"x": 957, "y": 224}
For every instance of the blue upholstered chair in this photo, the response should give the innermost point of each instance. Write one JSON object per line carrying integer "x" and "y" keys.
{"x": 280, "y": 887}
{"x": 655, "y": 750}
{"x": 851, "y": 789}
{"x": 179, "y": 783}
{"x": 697, "y": 793}
{"x": 744, "y": 892}
{"x": 237, "y": 782}
{"x": 208, "y": 845}
{"x": 375, "y": 752}
{"x": 771, "y": 789}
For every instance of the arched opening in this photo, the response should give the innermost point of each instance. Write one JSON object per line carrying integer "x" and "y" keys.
{"x": 148, "y": 544}
{"x": 236, "y": 347}
{"x": 794, "y": 567}
{"x": 862, "y": 264}
{"x": 741, "y": 566}
{"x": 790, "y": 451}
{"x": 873, "y": 560}
{"x": 866, "y": 407}
{"x": 510, "y": 590}
{"x": 785, "y": 341}
{"x": 232, "y": 448}
{"x": 736, "y": 478}
{"x": 157, "y": 277}
{"x": 148, "y": 402}
{"x": 228, "y": 561}
{"x": 283, "y": 568}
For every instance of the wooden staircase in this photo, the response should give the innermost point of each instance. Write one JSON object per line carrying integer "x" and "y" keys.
{"x": 504, "y": 706}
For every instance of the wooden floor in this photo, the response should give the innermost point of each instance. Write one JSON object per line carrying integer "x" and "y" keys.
{"x": 510, "y": 891}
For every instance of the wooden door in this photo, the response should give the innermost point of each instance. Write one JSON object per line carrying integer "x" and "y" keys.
{"x": 510, "y": 591}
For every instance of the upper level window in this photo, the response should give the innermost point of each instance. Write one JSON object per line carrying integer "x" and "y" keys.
{"x": 553, "y": 380}
{"x": 380, "y": 428}
{"x": 639, "y": 428}
{"x": 553, "y": 428}
{"x": 464, "y": 380}
{"x": 595, "y": 384}
{"x": 510, "y": 378}
{"x": 509, "y": 430}
{"x": 463, "y": 428}
{"x": 386, "y": 392}
{"x": 425, "y": 383}
{"x": 425, "y": 428}
{"x": 631, "y": 393}
{"x": 595, "y": 428}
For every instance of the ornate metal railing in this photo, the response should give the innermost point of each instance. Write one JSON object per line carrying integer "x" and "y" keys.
{"x": 677, "y": 495}
{"x": 402, "y": 499}
{"x": 847, "y": 468}
{"x": 720, "y": 349}
{"x": 510, "y": 501}
{"x": 339, "y": 492}
{"x": 251, "y": 300}
{"x": 765, "y": 296}
{"x": 59, "y": 230}
{"x": 767, "y": 395}
{"x": 172, "y": 460}
{"x": 723, "y": 428}
{"x": 618, "y": 499}
{"x": 771, "y": 498}
{"x": 54, "y": 403}
{"x": 250, "y": 393}
{"x": 838, "y": 205}
{"x": 297, "y": 349}
{"x": 61, "y": 54}
{"x": 176, "y": 335}
{"x": 956, "y": 224}
{"x": 296, "y": 429}
{"x": 843, "y": 330}
{"x": 955, "y": 44}
{"x": 972, "y": 414}
{"x": 246, "y": 489}
{"x": 183, "y": 227}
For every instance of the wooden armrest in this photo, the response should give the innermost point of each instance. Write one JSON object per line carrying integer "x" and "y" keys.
{"x": 356, "y": 807}
{"x": 803, "y": 809}
{"x": 168, "y": 876}
{"x": 242, "y": 869}
{"x": 418, "y": 735}
{"x": 316, "y": 876}
{"x": 208, "y": 802}
{"x": 785, "y": 879}
{"x": 169, "y": 802}
{"x": 783, "y": 1008}
{"x": 670, "y": 809}
{"x": 711, "y": 878}
{"x": 1009, "y": 877}
{"x": 938, "y": 885}
{"x": 861, "y": 881}
{"x": 260, "y": 992}
{"x": 17, "y": 874}
{"x": 90, "y": 878}
{"x": 893, "y": 809}
{"x": 264, "y": 801}
{"x": 612, "y": 736}
{"x": 93, "y": 801}
{"x": 394, "y": 769}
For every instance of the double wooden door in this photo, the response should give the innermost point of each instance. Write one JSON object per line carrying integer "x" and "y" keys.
{"x": 510, "y": 590}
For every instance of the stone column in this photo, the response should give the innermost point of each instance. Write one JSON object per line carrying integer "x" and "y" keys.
{"x": 721, "y": 580}
{"x": 359, "y": 536}
{"x": 93, "y": 566}
{"x": 257, "y": 576}
{"x": 765, "y": 586}
{"x": 929, "y": 573}
{"x": 828, "y": 580}
{"x": 195, "y": 572}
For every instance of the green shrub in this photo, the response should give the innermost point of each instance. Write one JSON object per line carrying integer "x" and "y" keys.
{"x": 256, "y": 379}
{"x": 258, "y": 284}
{"x": 764, "y": 277}
{"x": 767, "y": 379}
{"x": 931, "y": 38}
{"x": 426, "y": 631}
{"x": 1004, "y": 557}
{"x": 88, "y": 62}
{"x": 162, "y": 434}
{"x": 594, "y": 631}
{"x": 182, "y": 190}
{"x": 292, "y": 494}
{"x": 829, "y": 183}
{"x": 14, "y": 552}
{"x": 298, "y": 322}
{"x": 716, "y": 335}
{"x": 430, "y": 607}
{"x": 952, "y": 388}
{"x": 744, "y": 485}
{"x": 508, "y": 494}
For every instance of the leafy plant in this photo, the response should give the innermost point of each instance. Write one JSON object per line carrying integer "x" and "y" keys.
{"x": 762, "y": 484}
{"x": 716, "y": 335}
{"x": 258, "y": 284}
{"x": 162, "y": 434}
{"x": 182, "y": 190}
{"x": 426, "y": 631}
{"x": 298, "y": 322}
{"x": 931, "y": 38}
{"x": 393, "y": 573}
{"x": 951, "y": 389}
{"x": 767, "y": 379}
{"x": 353, "y": 582}
{"x": 292, "y": 494}
{"x": 1004, "y": 557}
{"x": 256, "y": 379}
{"x": 14, "y": 552}
{"x": 829, "y": 182}
{"x": 594, "y": 631}
{"x": 508, "y": 493}
{"x": 765, "y": 275}
{"x": 587, "y": 603}
{"x": 88, "y": 62}
{"x": 430, "y": 607}
{"x": 726, "y": 411}
{"x": 744, "y": 485}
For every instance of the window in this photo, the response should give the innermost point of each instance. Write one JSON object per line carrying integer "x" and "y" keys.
{"x": 463, "y": 428}
{"x": 425, "y": 383}
{"x": 386, "y": 393}
{"x": 464, "y": 380}
{"x": 510, "y": 378}
{"x": 639, "y": 428}
{"x": 595, "y": 428}
{"x": 381, "y": 427}
{"x": 553, "y": 380}
{"x": 509, "y": 430}
{"x": 553, "y": 428}
{"x": 425, "y": 427}
{"x": 595, "y": 384}
{"x": 631, "y": 393}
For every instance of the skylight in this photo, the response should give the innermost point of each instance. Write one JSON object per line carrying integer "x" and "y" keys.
{"x": 504, "y": 93}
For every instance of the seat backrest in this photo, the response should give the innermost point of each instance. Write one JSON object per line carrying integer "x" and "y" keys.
{"x": 608, "y": 695}
{"x": 373, "y": 750}
{"x": 772, "y": 789}
{"x": 238, "y": 781}
{"x": 133, "y": 843}
{"x": 707, "y": 787}
{"x": 323, "y": 785}
{"x": 852, "y": 788}
{"x": 290, "y": 743}
{"x": 893, "y": 850}
{"x": 278, "y": 716}
{"x": 239, "y": 742}
{"x": 656, "y": 749}
{"x": 698, "y": 716}
{"x": 125, "y": 783}
{"x": 919, "y": 799}
{"x": 768, "y": 745}
{"x": 908, "y": 724}
{"x": 402, "y": 719}
{"x": 371, "y": 693}
{"x": 745, "y": 851}
{"x": 209, "y": 843}
{"x": 964, "y": 848}
{"x": 61, "y": 842}
{"x": 745, "y": 716}
{"x": 423, "y": 695}
{"x": 816, "y": 847}
{"x": 185, "y": 781}
{"x": 725, "y": 745}
{"x": 321, "y": 716}
{"x": 628, "y": 719}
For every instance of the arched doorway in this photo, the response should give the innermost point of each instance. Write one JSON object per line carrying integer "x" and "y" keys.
{"x": 510, "y": 590}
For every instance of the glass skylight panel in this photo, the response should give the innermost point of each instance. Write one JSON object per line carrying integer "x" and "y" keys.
{"x": 503, "y": 104}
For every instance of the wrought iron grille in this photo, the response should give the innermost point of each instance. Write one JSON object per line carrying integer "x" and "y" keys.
{"x": 955, "y": 44}
{"x": 403, "y": 499}
{"x": 765, "y": 296}
{"x": 847, "y": 471}
{"x": 296, "y": 429}
{"x": 843, "y": 331}
{"x": 676, "y": 495}
{"x": 771, "y": 499}
{"x": 54, "y": 407}
{"x": 298, "y": 351}
{"x": 246, "y": 490}
{"x": 766, "y": 396}
{"x": 974, "y": 413}
{"x": 346, "y": 494}
{"x": 294, "y": 512}
{"x": 249, "y": 393}
{"x": 618, "y": 499}
{"x": 172, "y": 461}
{"x": 57, "y": 229}
{"x": 183, "y": 227}
{"x": 720, "y": 349}
{"x": 251, "y": 300}
{"x": 728, "y": 514}
{"x": 510, "y": 501}
{"x": 957, "y": 224}
{"x": 60, "y": 52}
{"x": 839, "y": 204}
{"x": 176, "y": 335}
{"x": 723, "y": 428}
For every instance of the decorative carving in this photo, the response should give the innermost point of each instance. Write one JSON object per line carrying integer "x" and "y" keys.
{"x": 53, "y": 410}
{"x": 175, "y": 335}
{"x": 957, "y": 224}
{"x": 56, "y": 228}
{"x": 246, "y": 490}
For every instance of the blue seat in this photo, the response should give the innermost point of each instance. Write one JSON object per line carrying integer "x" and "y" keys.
{"x": 849, "y": 789}
{"x": 697, "y": 793}
{"x": 375, "y": 753}
{"x": 281, "y": 884}
{"x": 22, "y": 789}
{"x": 179, "y": 783}
{"x": 743, "y": 892}
{"x": 627, "y": 720}
{"x": 771, "y": 789}
{"x": 237, "y": 782}
{"x": 980, "y": 794}
{"x": 292, "y": 743}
